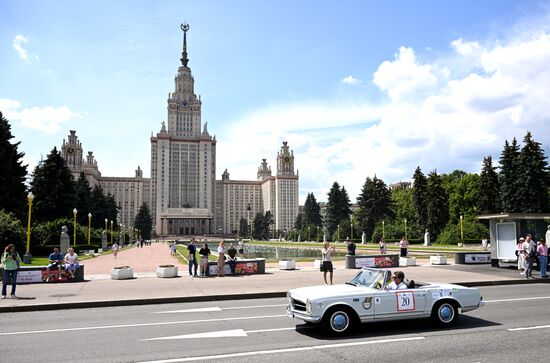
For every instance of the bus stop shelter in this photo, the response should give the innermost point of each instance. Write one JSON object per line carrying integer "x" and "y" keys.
{"x": 504, "y": 231}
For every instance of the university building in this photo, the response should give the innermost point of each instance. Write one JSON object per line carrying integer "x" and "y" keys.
{"x": 183, "y": 194}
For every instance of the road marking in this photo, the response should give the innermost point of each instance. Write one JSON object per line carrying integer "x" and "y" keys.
{"x": 214, "y": 334}
{"x": 284, "y": 350}
{"x": 142, "y": 324}
{"x": 221, "y": 334}
{"x": 530, "y": 328}
{"x": 519, "y": 299}
{"x": 199, "y": 310}
{"x": 216, "y": 308}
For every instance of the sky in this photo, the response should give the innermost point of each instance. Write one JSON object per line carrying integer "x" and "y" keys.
{"x": 357, "y": 88}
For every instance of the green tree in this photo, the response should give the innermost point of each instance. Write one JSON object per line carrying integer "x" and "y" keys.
{"x": 535, "y": 178}
{"x": 98, "y": 205}
{"x": 338, "y": 207}
{"x": 375, "y": 205}
{"x": 260, "y": 230}
{"x": 83, "y": 199}
{"x": 488, "y": 200}
{"x": 11, "y": 231}
{"x": 300, "y": 222}
{"x": 243, "y": 228}
{"x": 438, "y": 208}
{"x": 112, "y": 210}
{"x": 144, "y": 222}
{"x": 510, "y": 178}
{"x": 312, "y": 211}
{"x": 12, "y": 173}
{"x": 420, "y": 185}
{"x": 53, "y": 188}
{"x": 462, "y": 194}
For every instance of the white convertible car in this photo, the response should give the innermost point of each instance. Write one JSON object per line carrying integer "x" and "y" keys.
{"x": 366, "y": 298}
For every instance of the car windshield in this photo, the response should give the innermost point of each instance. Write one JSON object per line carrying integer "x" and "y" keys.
{"x": 369, "y": 278}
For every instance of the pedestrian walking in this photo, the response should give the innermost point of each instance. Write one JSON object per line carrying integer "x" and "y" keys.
{"x": 192, "y": 248}
{"x": 484, "y": 244}
{"x": 221, "y": 258}
{"x": 326, "y": 261}
{"x": 115, "y": 249}
{"x": 173, "y": 248}
{"x": 204, "y": 252}
{"x": 382, "y": 246}
{"x": 404, "y": 245}
{"x": 10, "y": 261}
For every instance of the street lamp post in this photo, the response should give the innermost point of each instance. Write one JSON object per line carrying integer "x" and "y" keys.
{"x": 89, "y": 226}
{"x": 106, "y": 225}
{"x": 318, "y": 235}
{"x": 111, "y": 231}
{"x": 351, "y": 226}
{"x": 308, "y": 236}
{"x": 338, "y": 236}
{"x": 406, "y": 228}
{"x": 28, "y": 257}
{"x": 74, "y": 226}
{"x": 461, "y": 228}
{"x": 383, "y": 231}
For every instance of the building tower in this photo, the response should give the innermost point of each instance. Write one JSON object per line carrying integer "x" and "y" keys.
{"x": 183, "y": 162}
{"x": 286, "y": 190}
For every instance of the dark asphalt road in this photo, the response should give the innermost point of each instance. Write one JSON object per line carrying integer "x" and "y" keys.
{"x": 250, "y": 330}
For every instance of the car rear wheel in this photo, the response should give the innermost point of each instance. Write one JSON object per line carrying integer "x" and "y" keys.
{"x": 445, "y": 313}
{"x": 339, "y": 321}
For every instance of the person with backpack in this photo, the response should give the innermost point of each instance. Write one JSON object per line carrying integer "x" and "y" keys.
{"x": 529, "y": 253}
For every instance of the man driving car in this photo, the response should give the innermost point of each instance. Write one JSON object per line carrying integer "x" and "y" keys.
{"x": 397, "y": 283}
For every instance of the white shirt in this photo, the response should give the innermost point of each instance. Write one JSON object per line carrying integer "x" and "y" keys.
{"x": 115, "y": 247}
{"x": 394, "y": 286}
{"x": 327, "y": 254}
{"x": 71, "y": 259}
{"x": 221, "y": 249}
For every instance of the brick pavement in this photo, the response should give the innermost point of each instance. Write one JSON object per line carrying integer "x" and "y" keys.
{"x": 142, "y": 260}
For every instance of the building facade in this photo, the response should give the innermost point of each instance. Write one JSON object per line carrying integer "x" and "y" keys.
{"x": 183, "y": 194}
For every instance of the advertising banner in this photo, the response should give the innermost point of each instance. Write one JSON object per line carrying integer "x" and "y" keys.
{"x": 361, "y": 262}
{"x": 477, "y": 258}
{"x": 243, "y": 268}
{"x": 25, "y": 277}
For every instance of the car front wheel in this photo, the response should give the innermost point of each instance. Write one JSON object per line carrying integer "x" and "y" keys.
{"x": 338, "y": 321}
{"x": 445, "y": 313}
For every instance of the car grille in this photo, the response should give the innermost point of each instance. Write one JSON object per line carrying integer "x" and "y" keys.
{"x": 298, "y": 305}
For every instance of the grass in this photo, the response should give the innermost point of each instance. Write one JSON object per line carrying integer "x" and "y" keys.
{"x": 44, "y": 260}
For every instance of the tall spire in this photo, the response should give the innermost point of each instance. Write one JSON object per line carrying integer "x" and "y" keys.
{"x": 184, "y": 60}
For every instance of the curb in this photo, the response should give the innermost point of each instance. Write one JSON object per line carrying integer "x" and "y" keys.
{"x": 189, "y": 299}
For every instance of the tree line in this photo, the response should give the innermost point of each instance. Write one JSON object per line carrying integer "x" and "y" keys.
{"x": 439, "y": 203}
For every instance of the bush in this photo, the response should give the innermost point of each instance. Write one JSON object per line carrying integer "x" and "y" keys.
{"x": 473, "y": 233}
{"x": 11, "y": 231}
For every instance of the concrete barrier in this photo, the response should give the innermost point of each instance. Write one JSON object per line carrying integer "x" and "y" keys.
{"x": 407, "y": 261}
{"x": 242, "y": 267}
{"x": 438, "y": 260}
{"x": 287, "y": 265}
{"x": 379, "y": 261}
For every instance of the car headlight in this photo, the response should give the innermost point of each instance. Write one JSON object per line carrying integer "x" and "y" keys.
{"x": 308, "y": 306}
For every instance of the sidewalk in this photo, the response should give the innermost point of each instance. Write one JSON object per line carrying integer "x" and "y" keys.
{"x": 99, "y": 290}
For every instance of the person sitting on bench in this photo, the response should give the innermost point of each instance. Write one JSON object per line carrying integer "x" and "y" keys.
{"x": 56, "y": 260}
{"x": 71, "y": 262}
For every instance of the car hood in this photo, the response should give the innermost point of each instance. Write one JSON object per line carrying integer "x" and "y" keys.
{"x": 324, "y": 291}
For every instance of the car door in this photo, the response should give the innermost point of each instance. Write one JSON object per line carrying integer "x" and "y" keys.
{"x": 395, "y": 304}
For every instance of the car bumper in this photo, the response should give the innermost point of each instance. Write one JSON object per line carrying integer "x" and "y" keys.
{"x": 470, "y": 308}
{"x": 302, "y": 316}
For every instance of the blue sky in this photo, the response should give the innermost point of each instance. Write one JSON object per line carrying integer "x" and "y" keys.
{"x": 357, "y": 87}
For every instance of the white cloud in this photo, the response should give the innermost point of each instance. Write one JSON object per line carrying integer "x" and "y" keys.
{"x": 351, "y": 80}
{"x": 48, "y": 119}
{"x": 437, "y": 116}
{"x": 465, "y": 48}
{"x": 18, "y": 43}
